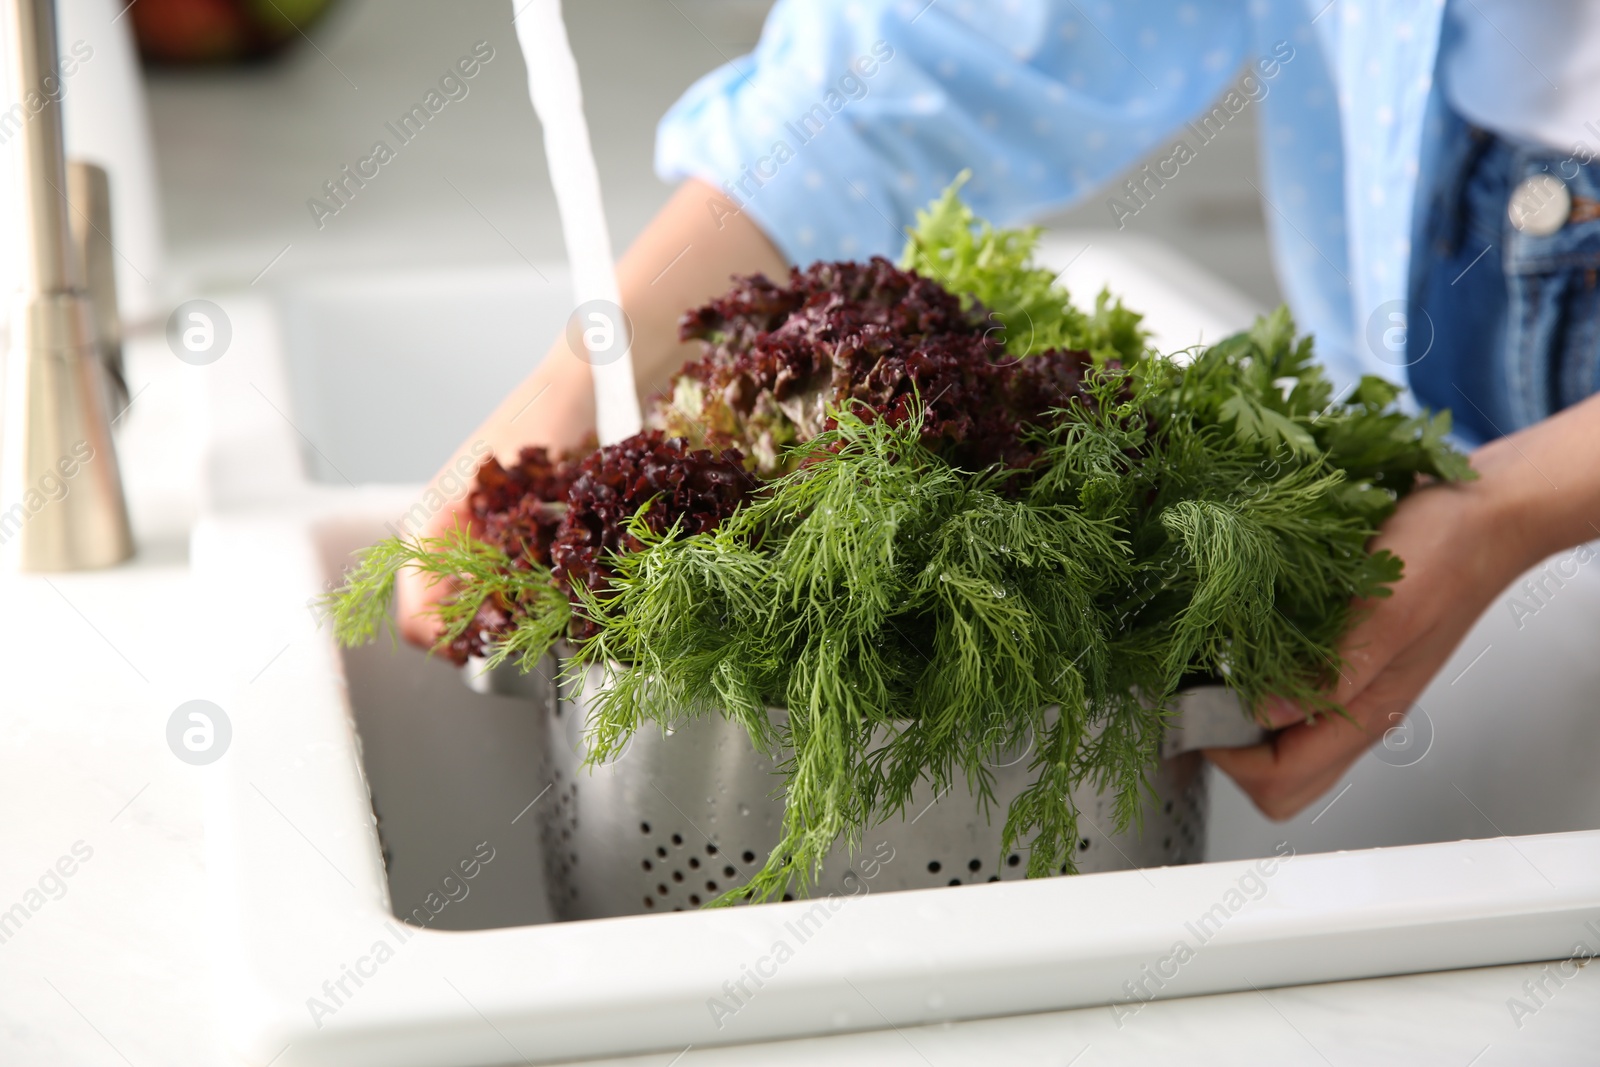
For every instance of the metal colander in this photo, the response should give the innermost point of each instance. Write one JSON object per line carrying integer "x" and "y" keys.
{"x": 677, "y": 819}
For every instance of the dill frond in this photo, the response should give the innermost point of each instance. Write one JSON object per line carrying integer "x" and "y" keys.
{"x": 361, "y": 606}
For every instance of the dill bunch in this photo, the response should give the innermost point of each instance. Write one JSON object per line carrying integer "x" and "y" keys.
{"x": 907, "y": 616}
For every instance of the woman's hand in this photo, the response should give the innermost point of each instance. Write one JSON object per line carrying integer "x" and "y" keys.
{"x": 1462, "y": 545}
{"x": 553, "y": 407}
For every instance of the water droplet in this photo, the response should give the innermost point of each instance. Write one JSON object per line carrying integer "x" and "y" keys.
{"x": 999, "y": 592}
{"x": 744, "y": 809}
{"x": 944, "y": 576}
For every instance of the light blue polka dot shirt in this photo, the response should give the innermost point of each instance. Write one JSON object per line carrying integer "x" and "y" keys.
{"x": 851, "y": 114}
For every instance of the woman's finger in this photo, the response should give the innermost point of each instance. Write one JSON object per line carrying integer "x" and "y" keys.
{"x": 1285, "y": 774}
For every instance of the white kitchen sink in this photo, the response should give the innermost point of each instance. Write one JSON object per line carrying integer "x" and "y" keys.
{"x": 332, "y": 390}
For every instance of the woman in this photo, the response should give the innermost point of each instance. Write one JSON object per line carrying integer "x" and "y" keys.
{"x": 1434, "y": 211}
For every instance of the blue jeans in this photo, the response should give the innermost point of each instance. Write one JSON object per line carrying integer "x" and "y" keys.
{"x": 1515, "y": 318}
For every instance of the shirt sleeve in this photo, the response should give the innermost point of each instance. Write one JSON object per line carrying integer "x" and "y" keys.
{"x": 852, "y": 114}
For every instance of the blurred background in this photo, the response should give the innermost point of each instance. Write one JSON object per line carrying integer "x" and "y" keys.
{"x": 241, "y": 148}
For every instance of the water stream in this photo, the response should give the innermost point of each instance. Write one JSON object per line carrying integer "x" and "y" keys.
{"x": 598, "y": 325}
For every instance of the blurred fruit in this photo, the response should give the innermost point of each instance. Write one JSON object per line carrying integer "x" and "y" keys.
{"x": 192, "y": 32}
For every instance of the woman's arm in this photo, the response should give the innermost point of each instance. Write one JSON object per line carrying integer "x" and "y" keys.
{"x": 683, "y": 258}
{"x": 1538, "y": 492}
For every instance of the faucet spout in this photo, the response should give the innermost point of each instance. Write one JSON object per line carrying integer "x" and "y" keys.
{"x": 61, "y": 501}
{"x": 51, "y": 262}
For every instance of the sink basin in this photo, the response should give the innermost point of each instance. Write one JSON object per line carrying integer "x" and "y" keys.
{"x": 376, "y": 884}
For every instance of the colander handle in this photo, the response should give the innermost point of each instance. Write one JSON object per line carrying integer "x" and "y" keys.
{"x": 506, "y": 680}
{"x": 1210, "y": 717}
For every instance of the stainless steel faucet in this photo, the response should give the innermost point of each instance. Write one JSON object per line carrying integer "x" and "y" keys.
{"x": 61, "y": 501}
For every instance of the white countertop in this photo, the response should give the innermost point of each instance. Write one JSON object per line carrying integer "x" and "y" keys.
{"x": 114, "y": 971}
